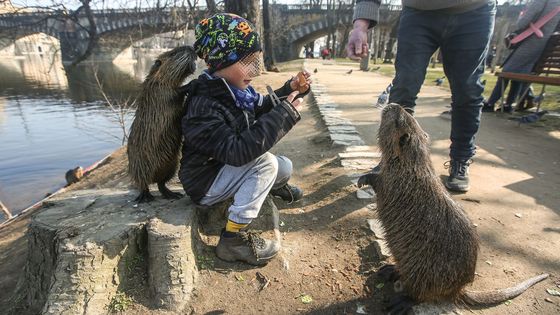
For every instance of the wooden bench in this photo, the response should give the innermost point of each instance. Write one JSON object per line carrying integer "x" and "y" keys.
{"x": 545, "y": 72}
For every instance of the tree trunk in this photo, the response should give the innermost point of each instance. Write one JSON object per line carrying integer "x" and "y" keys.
{"x": 249, "y": 9}
{"x": 267, "y": 36}
{"x": 391, "y": 42}
{"x": 92, "y": 33}
{"x": 211, "y": 6}
{"x": 87, "y": 246}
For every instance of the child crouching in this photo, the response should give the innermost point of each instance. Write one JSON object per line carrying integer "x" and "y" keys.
{"x": 229, "y": 128}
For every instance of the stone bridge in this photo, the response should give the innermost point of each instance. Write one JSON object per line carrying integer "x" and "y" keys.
{"x": 293, "y": 26}
{"x": 296, "y": 25}
{"x": 115, "y": 29}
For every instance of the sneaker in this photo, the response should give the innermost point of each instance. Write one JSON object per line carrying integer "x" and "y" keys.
{"x": 458, "y": 179}
{"x": 288, "y": 193}
{"x": 246, "y": 246}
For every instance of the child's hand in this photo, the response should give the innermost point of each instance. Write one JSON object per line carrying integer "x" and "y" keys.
{"x": 301, "y": 82}
{"x": 297, "y": 102}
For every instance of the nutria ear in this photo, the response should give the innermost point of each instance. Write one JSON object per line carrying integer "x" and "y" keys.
{"x": 404, "y": 139}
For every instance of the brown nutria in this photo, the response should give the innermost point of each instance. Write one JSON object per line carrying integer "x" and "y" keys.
{"x": 154, "y": 142}
{"x": 74, "y": 175}
{"x": 434, "y": 244}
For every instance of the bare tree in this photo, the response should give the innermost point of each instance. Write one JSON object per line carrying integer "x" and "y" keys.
{"x": 267, "y": 36}
{"x": 249, "y": 9}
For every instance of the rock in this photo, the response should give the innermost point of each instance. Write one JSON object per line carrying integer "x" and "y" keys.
{"x": 81, "y": 248}
{"x": 358, "y": 154}
{"x": 365, "y": 193}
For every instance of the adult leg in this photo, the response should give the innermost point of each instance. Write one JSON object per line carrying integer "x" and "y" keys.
{"x": 464, "y": 47}
{"x": 418, "y": 39}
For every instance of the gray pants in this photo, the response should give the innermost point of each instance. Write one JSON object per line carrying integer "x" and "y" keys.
{"x": 248, "y": 185}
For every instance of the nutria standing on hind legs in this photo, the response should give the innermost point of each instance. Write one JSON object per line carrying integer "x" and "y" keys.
{"x": 154, "y": 142}
{"x": 434, "y": 243}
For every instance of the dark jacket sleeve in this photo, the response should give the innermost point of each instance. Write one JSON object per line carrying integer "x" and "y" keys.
{"x": 368, "y": 10}
{"x": 282, "y": 93}
{"x": 206, "y": 128}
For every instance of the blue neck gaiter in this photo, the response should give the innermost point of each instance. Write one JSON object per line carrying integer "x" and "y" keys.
{"x": 244, "y": 99}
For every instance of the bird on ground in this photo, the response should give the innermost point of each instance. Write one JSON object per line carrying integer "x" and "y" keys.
{"x": 376, "y": 68}
{"x": 315, "y": 71}
{"x": 388, "y": 88}
{"x": 382, "y": 99}
{"x": 531, "y": 118}
{"x": 349, "y": 72}
{"x": 483, "y": 82}
{"x": 439, "y": 81}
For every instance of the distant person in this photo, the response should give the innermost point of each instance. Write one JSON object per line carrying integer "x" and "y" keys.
{"x": 490, "y": 57}
{"x": 462, "y": 30}
{"x": 526, "y": 55}
{"x": 228, "y": 129}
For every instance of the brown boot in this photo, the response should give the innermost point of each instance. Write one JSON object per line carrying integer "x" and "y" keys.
{"x": 248, "y": 247}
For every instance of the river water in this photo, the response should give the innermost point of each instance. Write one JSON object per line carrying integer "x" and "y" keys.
{"x": 54, "y": 118}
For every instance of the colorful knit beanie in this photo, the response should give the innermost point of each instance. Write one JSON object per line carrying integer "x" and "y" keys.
{"x": 224, "y": 39}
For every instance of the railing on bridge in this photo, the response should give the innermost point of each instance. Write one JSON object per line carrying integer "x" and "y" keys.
{"x": 323, "y": 7}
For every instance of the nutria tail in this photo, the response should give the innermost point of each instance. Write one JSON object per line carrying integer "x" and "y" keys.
{"x": 497, "y": 296}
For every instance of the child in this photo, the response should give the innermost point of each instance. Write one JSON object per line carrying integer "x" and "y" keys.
{"x": 228, "y": 129}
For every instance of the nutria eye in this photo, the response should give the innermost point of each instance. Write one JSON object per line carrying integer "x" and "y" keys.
{"x": 157, "y": 63}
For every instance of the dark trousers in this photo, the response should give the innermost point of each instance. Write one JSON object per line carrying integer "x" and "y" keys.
{"x": 515, "y": 90}
{"x": 463, "y": 40}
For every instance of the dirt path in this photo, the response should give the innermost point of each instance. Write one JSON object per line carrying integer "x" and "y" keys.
{"x": 327, "y": 257}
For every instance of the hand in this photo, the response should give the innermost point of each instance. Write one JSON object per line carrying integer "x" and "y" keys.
{"x": 297, "y": 102}
{"x": 357, "y": 47}
{"x": 295, "y": 84}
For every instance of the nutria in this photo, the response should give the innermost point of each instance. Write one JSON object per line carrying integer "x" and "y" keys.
{"x": 74, "y": 175}
{"x": 154, "y": 143}
{"x": 433, "y": 242}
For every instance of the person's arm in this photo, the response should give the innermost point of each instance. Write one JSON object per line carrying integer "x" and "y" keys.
{"x": 366, "y": 16}
{"x": 530, "y": 14}
{"x": 205, "y": 127}
{"x": 282, "y": 93}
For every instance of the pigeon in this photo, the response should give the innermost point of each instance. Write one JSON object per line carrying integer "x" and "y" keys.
{"x": 376, "y": 68}
{"x": 439, "y": 81}
{"x": 531, "y": 118}
{"x": 539, "y": 98}
{"x": 388, "y": 88}
{"x": 315, "y": 71}
{"x": 382, "y": 99}
{"x": 349, "y": 72}
{"x": 483, "y": 82}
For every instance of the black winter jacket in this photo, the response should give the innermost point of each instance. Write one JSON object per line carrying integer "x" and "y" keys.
{"x": 216, "y": 132}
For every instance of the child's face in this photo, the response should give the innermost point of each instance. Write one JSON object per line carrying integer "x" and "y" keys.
{"x": 241, "y": 73}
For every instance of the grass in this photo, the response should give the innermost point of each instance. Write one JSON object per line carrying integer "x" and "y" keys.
{"x": 119, "y": 303}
